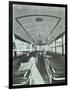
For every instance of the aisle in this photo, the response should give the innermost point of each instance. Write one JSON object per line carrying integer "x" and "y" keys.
{"x": 41, "y": 67}
{"x": 35, "y": 74}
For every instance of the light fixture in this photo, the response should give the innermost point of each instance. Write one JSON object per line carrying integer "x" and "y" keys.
{"x": 39, "y": 19}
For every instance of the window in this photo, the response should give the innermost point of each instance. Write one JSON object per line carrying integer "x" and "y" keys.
{"x": 59, "y": 42}
{"x": 59, "y": 49}
{"x": 22, "y": 46}
{"x": 52, "y": 46}
{"x": 58, "y": 45}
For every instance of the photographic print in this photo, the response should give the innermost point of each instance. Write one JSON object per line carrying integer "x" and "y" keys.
{"x": 37, "y": 44}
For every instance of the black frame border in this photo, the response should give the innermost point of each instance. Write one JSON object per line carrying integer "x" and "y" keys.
{"x": 11, "y": 37}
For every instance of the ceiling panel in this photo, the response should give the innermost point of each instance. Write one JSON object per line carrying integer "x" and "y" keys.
{"x": 30, "y": 28}
{"x": 39, "y": 26}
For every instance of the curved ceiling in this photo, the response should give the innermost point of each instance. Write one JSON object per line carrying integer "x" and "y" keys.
{"x": 38, "y": 22}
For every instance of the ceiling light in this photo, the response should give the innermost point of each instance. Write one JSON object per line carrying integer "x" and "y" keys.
{"x": 39, "y": 19}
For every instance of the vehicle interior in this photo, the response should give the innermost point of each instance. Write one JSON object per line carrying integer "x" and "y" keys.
{"x": 38, "y": 45}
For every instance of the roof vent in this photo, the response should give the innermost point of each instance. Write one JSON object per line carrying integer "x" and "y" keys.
{"x": 39, "y": 19}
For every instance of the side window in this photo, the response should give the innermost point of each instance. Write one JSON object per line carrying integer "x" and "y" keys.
{"x": 59, "y": 45}
{"x": 59, "y": 49}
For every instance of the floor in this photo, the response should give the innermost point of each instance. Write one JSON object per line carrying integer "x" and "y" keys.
{"x": 42, "y": 70}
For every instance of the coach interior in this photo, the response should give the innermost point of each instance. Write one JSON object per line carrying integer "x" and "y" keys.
{"x": 38, "y": 32}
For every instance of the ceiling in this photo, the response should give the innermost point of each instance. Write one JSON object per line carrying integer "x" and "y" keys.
{"x": 38, "y": 24}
